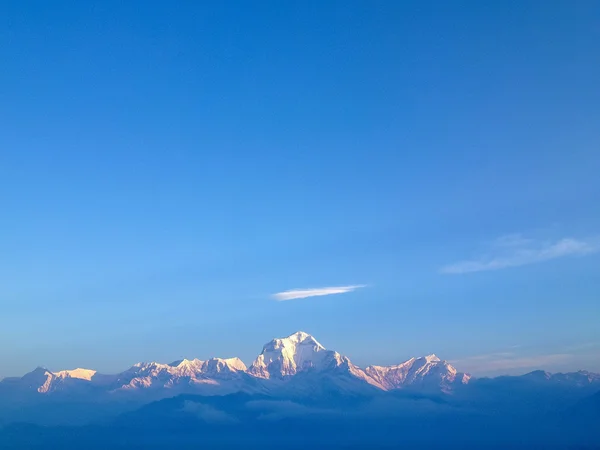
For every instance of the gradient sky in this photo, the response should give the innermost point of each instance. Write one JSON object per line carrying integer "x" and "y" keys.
{"x": 169, "y": 171}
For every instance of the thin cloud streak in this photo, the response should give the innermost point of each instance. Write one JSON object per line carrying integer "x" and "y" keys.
{"x": 314, "y": 292}
{"x": 503, "y": 362}
{"x": 515, "y": 251}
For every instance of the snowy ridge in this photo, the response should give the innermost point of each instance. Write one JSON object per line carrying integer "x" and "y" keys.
{"x": 426, "y": 372}
{"x": 280, "y": 361}
{"x": 81, "y": 374}
{"x": 212, "y": 372}
{"x": 295, "y": 364}
{"x": 579, "y": 378}
{"x": 300, "y": 352}
{"x": 44, "y": 381}
{"x": 182, "y": 372}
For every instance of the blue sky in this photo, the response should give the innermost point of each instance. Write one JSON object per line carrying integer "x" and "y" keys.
{"x": 166, "y": 170}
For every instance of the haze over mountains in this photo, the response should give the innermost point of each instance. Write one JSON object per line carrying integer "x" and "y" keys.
{"x": 295, "y": 384}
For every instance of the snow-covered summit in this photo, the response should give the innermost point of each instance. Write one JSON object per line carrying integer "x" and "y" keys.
{"x": 220, "y": 365}
{"x": 283, "y": 357}
{"x": 300, "y": 337}
{"x": 44, "y": 381}
{"x": 79, "y": 373}
{"x": 431, "y": 358}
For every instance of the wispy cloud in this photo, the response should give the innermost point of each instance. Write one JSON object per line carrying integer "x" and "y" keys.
{"x": 582, "y": 346}
{"x": 314, "y": 292}
{"x": 516, "y": 359}
{"x": 507, "y": 362}
{"x": 514, "y": 250}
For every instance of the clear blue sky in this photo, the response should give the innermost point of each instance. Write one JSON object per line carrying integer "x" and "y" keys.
{"x": 165, "y": 168}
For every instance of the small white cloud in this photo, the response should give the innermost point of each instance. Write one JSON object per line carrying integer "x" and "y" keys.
{"x": 314, "y": 292}
{"x": 514, "y": 250}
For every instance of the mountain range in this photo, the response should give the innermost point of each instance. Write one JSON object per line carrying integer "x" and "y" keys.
{"x": 298, "y": 394}
{"x": 281, "y": 361}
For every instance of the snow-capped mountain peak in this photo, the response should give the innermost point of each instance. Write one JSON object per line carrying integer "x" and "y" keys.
{"x": 431, "y": 358}
{"x": 44, "y": 381}
{"x": 79, "y": 373}
{"x": 219, "y": 365}
{"x": 300, "y": 337}
{"x": 283, "y": 357}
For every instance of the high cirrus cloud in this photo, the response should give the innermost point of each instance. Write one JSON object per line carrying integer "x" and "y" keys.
{"x": 314, "y": 292}
{"x": 514, "y": 251}
{"x": 510, "y": 362}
